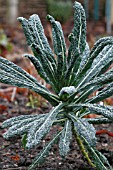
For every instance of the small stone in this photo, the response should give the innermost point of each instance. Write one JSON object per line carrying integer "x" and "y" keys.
{"x": 60, "y": 163}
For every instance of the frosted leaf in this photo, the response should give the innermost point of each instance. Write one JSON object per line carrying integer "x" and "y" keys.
{"x": 65, "y": 139}
{"x": 22, "y": 126}
{"x": 36, "y": 133}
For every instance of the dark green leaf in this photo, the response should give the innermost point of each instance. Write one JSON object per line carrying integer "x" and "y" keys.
{"x": 84, "y": 57}
{"x": 21, "y": 126}
{"x": 83, "y": 60}
{"x": 78, "y": 42}
{"x": 95, "y": 157}
{"x": 104, "y": 57}
{"x": 100, "y": 120}
{"x": 41, "y": 156}
{"x": 34, "y": 32}
{"x": 101, "y": 80}
{"x": 46, "y": 64}
{"x": 36, "y": 133}
{"x": 78, "y": 36}
{"x": 38, "y": 67}
{"x": 59, "y": 47}
{"x": 100, "y": 44}
{"x": 99, "y": 109}
{"x": 16, "y": 76}
{"x": 16, "y": 120}
{"x": 98, "y": 47}
{"x": 85, "y": 94}
{"x": 84, "y": 129}
{"x": 103, "y": 94}
{"x": 65, "y": 139}
{"x": 73, "y": 67}
{"x": 103, "y": 159}
{"x": 26, "y": 30}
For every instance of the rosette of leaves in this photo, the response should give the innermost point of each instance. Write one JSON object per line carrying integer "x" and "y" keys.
{"x": 73, "y": 78}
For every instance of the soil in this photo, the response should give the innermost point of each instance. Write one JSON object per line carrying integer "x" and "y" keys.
{"x": 14, "y": 157}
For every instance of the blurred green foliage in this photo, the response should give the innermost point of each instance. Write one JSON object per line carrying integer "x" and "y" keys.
{"x": 5, "y": 45}
{"x": 60, "y": 10}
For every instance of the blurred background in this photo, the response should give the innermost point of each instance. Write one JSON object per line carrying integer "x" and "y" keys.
{"x": 61, "y": 9}
{"x": 99, "y": 15}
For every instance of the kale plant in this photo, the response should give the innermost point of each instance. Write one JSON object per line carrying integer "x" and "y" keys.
{"x": 73, "y": 78}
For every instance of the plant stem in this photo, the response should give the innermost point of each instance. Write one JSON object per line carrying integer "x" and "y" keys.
{"x": 82, "y": 148}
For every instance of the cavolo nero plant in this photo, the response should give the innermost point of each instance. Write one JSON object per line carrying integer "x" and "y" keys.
{"x": 73, "y": 78}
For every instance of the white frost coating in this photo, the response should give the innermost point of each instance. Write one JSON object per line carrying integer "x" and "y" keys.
{"x": 65, "y": 139}
{"x": 69, "y": 90}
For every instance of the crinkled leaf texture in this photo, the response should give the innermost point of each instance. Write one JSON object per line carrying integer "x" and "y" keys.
{"x": 84, "y": 129}
{"x": 59, "y": 46}
{"x": 36, "y": 126}
{"x": 74, "y": 77}
{"x": 36, "y": 133}
{"x": 99, "y": 110}
{"x": 41, "y": 156}
{"x": 21, "y": 124}
{"x": 65, "y": 139}
{"x": 15, "y": 75}
{"x": 99, "y": 160}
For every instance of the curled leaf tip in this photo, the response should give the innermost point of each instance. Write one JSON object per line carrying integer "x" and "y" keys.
{"x": 50, "y": 18}
{"x": 20, "y": 19}
{"x": 71, "y": 37}
{"x": 25, "y": 55}
{"x": 76, "y": 3}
